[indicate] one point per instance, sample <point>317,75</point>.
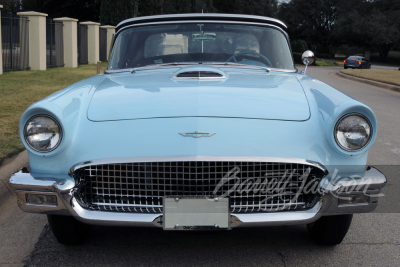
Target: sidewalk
<point>6,170</point>
<point>19,231</point>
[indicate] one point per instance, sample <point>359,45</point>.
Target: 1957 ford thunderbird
<point>200,122</point>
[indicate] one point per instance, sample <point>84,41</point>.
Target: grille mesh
<point>140,187</point>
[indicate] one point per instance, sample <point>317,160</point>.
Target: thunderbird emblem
<point>197,134</point>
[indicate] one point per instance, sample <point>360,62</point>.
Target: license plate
<point>196,213</point>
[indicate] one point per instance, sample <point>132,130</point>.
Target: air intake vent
<point>199,75</point>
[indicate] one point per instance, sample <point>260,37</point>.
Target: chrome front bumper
<point>370,184</point>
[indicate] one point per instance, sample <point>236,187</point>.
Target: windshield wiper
<point>237,65</point>
<point>106,71</point>
<point>160,65</point>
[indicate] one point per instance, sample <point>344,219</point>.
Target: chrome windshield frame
<point>294,70</point>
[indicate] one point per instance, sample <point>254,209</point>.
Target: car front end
<point>198,145</point>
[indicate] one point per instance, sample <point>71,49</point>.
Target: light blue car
<point>200,122</point>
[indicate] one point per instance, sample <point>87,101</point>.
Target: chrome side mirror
<point>307,58</point>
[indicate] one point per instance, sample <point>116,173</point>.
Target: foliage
<point>344,26</point>
<point>299,46</point>
<point>312,20</point>
<point>348,50</point>
<point>328,63</point>
<point>12,6</point>
<point>112,12</point>
<point>84,10</point>
<point>253,7</point>
<point>297,58</point>
<point>373,24</point>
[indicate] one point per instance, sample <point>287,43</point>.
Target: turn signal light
<point>354,200</point>
<point>41,200</point>
<point>359,62</point>
<point>345,61</point>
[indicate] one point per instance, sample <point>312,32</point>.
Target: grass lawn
<point>20,89</point>
<point>329,63</point>
<point>386,76</point>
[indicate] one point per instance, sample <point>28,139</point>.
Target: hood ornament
<point>197,134</point>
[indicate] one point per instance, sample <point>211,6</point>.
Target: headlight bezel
<point>348,115</point>
<point>25,133</point>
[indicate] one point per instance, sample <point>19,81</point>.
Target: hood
<point>250,94</point>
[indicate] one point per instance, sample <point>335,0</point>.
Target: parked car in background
<point>357,62</point>
<point>200,122</point>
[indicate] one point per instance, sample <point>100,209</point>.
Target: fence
<point>103,44</point>
<point>82,44</point>
<point>15,42</point>
<point>54,44</point>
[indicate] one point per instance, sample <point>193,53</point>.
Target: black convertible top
<point>201,17</point>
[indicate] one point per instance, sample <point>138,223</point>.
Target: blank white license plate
<point>196,213</point>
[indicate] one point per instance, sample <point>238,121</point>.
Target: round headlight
<point>43,133</point>
<point>353,132</point>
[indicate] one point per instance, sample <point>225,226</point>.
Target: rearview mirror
<point>204,36</point>
<point>307,58</point>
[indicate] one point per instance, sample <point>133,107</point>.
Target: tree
<point>84,10</point>
<point>312,20</point>
<point>371,24</point>
<point>252,7</point>
<point>12,6</point>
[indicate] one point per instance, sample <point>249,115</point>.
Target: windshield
<point>201,43</point>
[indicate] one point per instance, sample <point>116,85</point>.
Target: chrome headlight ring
<point>43,133</point>
<point>353,132</point>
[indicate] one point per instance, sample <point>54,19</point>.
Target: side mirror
<point>307,58</point>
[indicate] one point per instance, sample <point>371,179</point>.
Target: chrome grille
<point>140,187</point>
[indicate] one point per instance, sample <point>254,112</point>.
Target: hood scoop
<point>199,74</point>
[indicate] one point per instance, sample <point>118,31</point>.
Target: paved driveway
<point>373,239</point>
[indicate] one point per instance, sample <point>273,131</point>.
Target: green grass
<point>329,63</point>
<point>385,76</point>
<point>18,90</point>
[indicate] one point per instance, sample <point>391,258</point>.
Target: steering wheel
<point>249,52</point>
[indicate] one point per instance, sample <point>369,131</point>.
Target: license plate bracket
<point>196,213</point>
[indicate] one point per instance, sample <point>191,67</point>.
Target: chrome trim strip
<point>277,218</point>
<point>201,15</point>
<point>111,218</point>
<point>195,158</point>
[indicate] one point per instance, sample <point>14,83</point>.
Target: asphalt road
<point>373,239</point>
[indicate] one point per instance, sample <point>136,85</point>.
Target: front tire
<point>345,67</point>
<point>330,230</point>
<point>68,230</point>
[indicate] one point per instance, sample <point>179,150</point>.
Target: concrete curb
<point>371,82</point>
<point>9,169</point>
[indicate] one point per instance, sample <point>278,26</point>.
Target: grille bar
<point>251,186</point>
